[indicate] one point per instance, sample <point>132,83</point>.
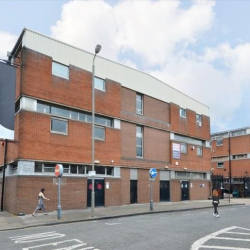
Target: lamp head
<point>98,48</point>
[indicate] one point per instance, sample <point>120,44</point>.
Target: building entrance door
<point>133,191</point>
<point>164,191</point>
<point>184,190</point>
<point>99,192</point>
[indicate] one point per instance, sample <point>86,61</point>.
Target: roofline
<point>227,131</point>
<point>26,29</point>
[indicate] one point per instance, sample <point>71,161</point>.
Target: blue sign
<point>152,172</point>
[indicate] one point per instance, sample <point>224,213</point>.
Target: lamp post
<point>97,50</point>
<point>230,170</point>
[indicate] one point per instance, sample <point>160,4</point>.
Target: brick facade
<point>36,143</point>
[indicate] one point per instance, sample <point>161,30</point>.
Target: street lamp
<point>97,50</point>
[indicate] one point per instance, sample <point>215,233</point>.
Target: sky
<point>200,47</point>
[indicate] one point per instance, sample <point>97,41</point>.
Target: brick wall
<point>189,126</point>
<point>125,186</point>
<point>21,193</point>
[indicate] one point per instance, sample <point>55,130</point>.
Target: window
<point>242,156</point>
<point>99,84</point>
<point>198,119</point>
<point>219,141</point>
<point>183,113</point>
<point>60,111</point>
<point>100,170</point>
<point>74,115</point>
<point>43,108</point>
<point>17,106</point>
<point>139,104</point>
<point>38,167</point>
<point>183,148</point>
<point>220,165</point>
<point>66,169</point>
<point>139,141</point>
<point>60,70</point>
<point>199,151</point>
<point>237,133</point>
<point>59,126</point>
<point>49,168</point>
<point>73,169</point>
<point>99,133</point>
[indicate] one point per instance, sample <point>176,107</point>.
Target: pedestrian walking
<point>41,205</point>
<point>215,203</point>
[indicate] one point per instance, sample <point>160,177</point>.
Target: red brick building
<point>230,155</point>
<point>141,123</point>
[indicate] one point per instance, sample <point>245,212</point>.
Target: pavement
<point>9,221</point>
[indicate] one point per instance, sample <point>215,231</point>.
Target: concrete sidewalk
<point>9,221</point>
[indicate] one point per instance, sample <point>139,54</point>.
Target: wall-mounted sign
<point>176,151</point>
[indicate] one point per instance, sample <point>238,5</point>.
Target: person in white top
<point>41,205</point>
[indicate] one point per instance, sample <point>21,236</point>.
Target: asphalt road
<point>187,230</point>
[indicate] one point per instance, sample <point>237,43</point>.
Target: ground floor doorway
<point>99,192</point>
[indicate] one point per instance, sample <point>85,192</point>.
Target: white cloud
<point>7,42</point>
<point>156,35</point>
<point>151,29</point>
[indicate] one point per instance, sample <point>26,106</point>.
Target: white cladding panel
<point>127,77</point>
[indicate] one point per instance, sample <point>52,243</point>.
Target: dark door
<point>184,190</point>
<point>99,193</point>
<point>133,191</point>
<point>164,191</point>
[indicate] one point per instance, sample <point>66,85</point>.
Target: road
<point>186,230</point>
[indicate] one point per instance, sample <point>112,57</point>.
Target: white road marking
<point>237,233</point>
<point>226,248</point>
<point>227,238</point>
<point>56,243</point>
<point>201,242</point>
<point>112,224</point>
<point>36,237</point>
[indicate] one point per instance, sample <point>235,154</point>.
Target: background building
<point>230,154</point>
<point>141,123</point>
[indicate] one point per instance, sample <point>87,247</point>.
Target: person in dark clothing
<point>41,205</point>
<point>215,203</point>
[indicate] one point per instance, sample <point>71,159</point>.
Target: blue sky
<point>201,48</point>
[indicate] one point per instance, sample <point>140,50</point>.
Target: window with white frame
<point>241,156</point>
<point>220,165</point>
<point>73,169</point>
<point>139,141</point>
<point>99,84</point>
<point>183,113</point>
<point>198,119</point>
<point>139,104</point>
<point>59,126</point>
<point>219,141</point>
<point>99,133</point>
<point>183,148</point>
<point>60,70</point>
<point>199,151</point>
<point>240,132</point>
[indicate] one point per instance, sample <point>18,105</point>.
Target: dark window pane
<point>110,171</point>
<point>139,141</point>
<point>100,170</point>
<point>88,168</point>
<point>82,117</point>
<point>100,120</point>
<point>59,126</point>
<point>99,133</point>
<point>74,115</point>
<point>89,118</point>
<point>66,169</point>
<point>139,151</point>
<point>109,123</point>
<point>60,111</point>
<point>81,169</point>
<point>73,169</point>
<point>38,167</point>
